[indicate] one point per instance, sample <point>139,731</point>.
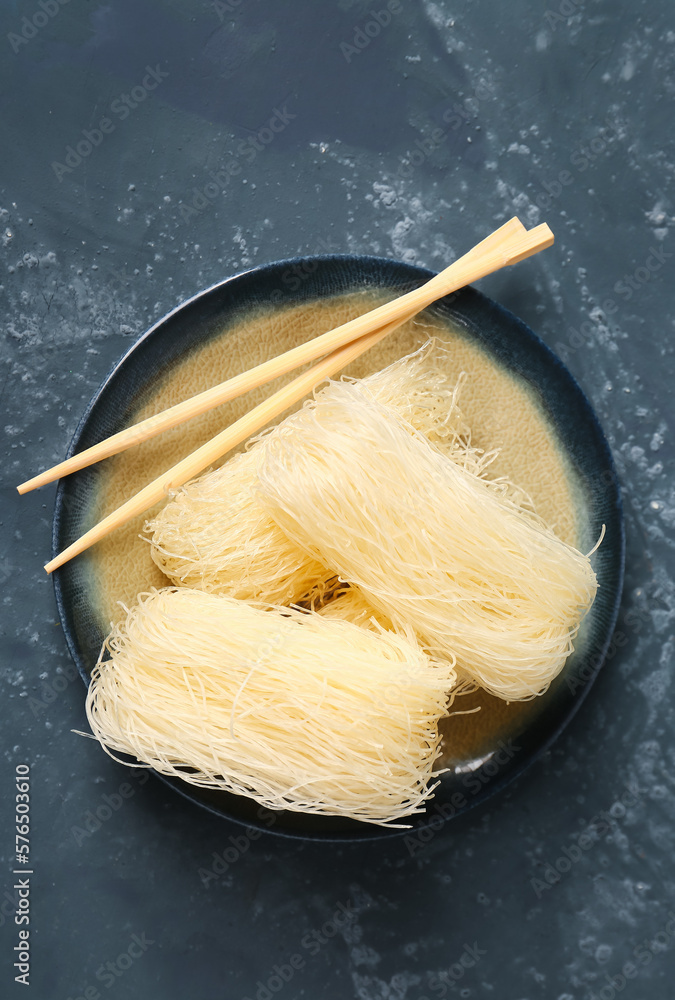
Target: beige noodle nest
<point>429,543</point>
<point>292,709</point>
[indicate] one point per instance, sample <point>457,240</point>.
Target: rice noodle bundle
<point>292,709</point>
<point>429,543</point>
<point>215,535</point>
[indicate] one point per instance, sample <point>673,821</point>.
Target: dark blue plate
<point>517,350</point>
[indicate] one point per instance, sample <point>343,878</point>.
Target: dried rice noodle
<point>428,542</point>
<point>295,710</point>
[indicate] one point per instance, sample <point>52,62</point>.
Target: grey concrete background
<point>410,141</point>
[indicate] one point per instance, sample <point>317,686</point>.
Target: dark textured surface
<point>453,117</point>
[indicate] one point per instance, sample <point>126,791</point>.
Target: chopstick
<point>403,308</point>
<point>497,251</point>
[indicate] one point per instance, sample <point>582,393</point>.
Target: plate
<point>481,756</point>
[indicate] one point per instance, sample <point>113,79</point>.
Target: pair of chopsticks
<point>507,245</point>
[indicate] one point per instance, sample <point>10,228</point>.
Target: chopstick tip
<point>31,484</point>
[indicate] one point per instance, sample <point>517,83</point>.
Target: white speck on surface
<point>627,70</point>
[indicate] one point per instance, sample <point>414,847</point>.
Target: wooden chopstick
<point>267,371</point>
<point>496,254</point>
<point>223,442</point>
